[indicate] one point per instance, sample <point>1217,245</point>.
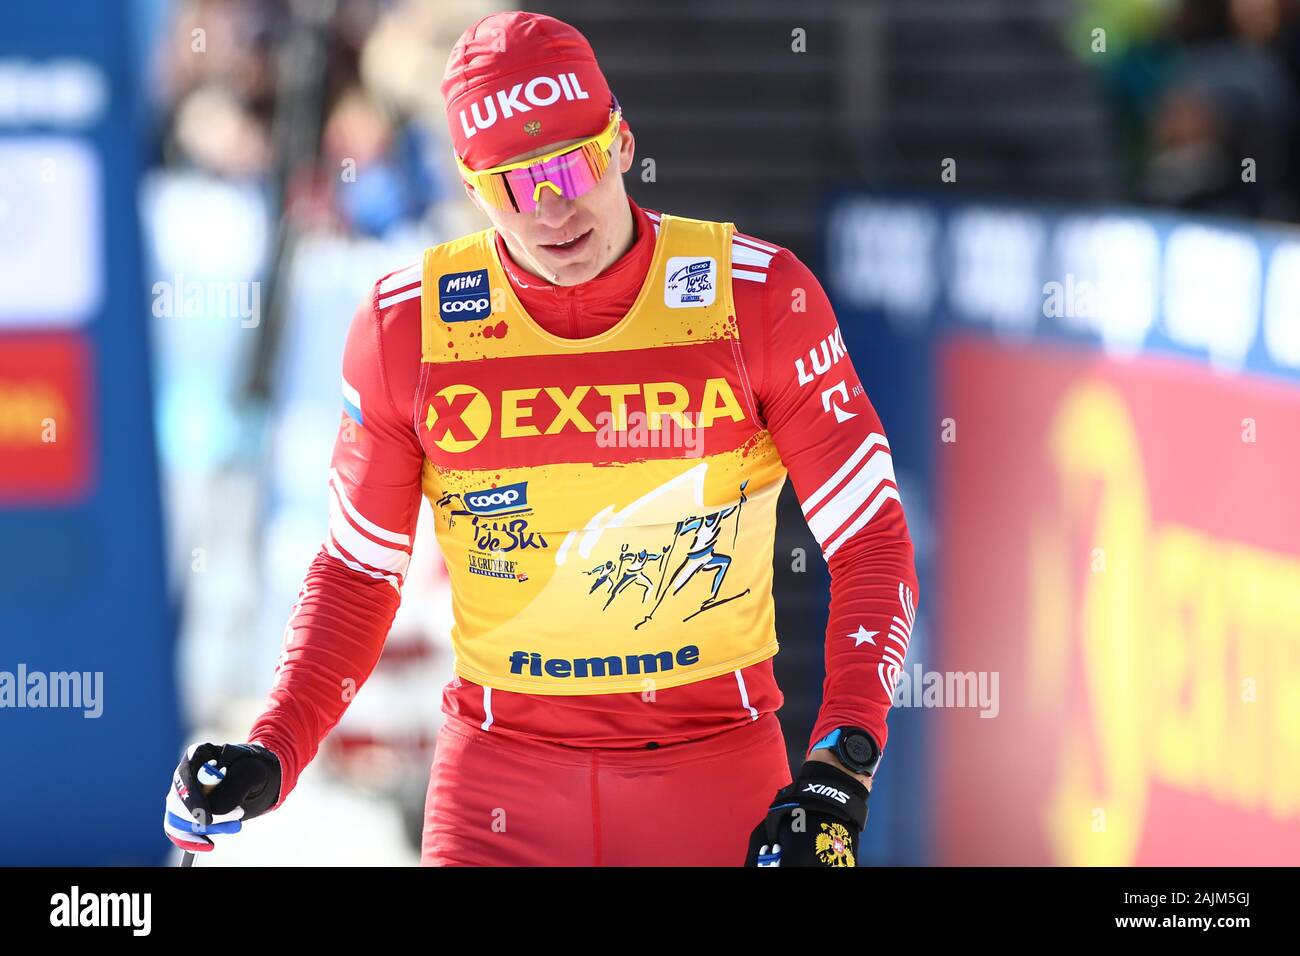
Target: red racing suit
<point>805,394</point>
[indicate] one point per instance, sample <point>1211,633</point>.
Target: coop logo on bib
<point>505,498</point>
<point>690,282</point>
<point>464,296</point>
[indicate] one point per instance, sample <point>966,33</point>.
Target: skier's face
<point>599,220</point>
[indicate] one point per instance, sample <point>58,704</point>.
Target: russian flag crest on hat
<point>516,82</point>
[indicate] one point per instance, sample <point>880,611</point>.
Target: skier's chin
<point>573,273</point>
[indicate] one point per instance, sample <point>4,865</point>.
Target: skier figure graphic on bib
<point>635,572</point>
<point>701,556</point>
<point>604,575</point>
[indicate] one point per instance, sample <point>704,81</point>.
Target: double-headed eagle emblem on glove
<point>834,846</point>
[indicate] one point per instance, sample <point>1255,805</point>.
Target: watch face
<point>859,749</point>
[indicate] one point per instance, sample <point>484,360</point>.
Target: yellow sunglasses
<point>569,172</point>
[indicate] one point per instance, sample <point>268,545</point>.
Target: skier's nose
<point>553,210</point>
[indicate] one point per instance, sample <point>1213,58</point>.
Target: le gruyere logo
<point>461,416</point>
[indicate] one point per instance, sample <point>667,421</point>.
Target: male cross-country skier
<point>504,371</point>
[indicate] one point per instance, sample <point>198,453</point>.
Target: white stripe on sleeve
<point>878,468</point>
<point>360,519</point>
<point>411,293</point>
<point>333,550</point>
<point>875,438</point>
<point>378,556</point>
<point>745,256</point>
<point>403,278</point>
<point>877,503</point>
<point>746,240</point>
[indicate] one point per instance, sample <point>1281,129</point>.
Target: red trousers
<point>501,801</point>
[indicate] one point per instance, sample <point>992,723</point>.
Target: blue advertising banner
<point>89,722</point>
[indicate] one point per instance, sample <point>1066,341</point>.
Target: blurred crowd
<point>1207,96</point>
<point>1197,88</point>
<point>299,153</point>
<point>241,96</point>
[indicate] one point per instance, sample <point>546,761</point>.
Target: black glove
<point>816,821</point>
<point>244,782</point>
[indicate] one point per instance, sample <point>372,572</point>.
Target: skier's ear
<point>626,144</point>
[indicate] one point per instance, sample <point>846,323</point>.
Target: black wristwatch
<point>855,748</point>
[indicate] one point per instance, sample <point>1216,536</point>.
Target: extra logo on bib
<point>464,296</point>
<point>690,282</point>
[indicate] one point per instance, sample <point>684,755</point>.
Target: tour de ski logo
<point>500,531</point>
<point>692,552</point>
<point>690,282</point>
<point>464,296</point>
<point>834,845</point>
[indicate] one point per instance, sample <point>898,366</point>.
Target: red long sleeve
<point>836,452</point>
<point>338,627</point>
<point>347,620</point>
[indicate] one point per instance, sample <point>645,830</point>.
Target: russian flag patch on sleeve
<point>352,402</point>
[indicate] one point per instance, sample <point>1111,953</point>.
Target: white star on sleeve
<point>863,636</point>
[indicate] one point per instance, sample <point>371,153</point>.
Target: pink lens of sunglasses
<point>569,175</point>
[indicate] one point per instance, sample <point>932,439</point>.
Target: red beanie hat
<point>516,81</point>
